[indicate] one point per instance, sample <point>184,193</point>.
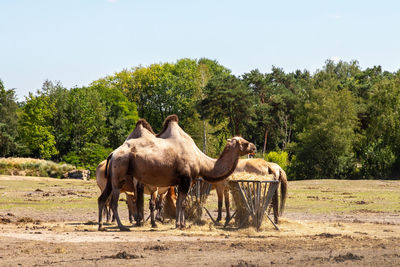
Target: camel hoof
<point>101,228</point>
<point>181,226</point>
<point>154,225</point>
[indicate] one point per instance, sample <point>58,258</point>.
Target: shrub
<point>33,167</point>
<point>280,157</point>
<point>88,157</point>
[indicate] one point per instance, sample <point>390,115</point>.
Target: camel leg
<point>159,206</point>
<point>275,207</point>
<point>152,205</point>
<point>227,204</point>
<point>183,189</point>
<point>107,210</point>
<point>220,195</point>
<point>131,206</point>
<point>139,215</point>
<point>101,201</point>
<point>114,207</point>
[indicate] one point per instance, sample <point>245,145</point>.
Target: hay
<point>195,201</point>
<point>250,176</point>
<point>242,218</point>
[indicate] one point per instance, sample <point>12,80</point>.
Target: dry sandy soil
<point>62,237</point>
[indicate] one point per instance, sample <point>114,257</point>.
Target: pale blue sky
<point>77,42</point>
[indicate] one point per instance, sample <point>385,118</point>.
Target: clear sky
<point>76,42</point>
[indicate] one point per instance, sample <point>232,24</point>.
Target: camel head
<point>244,146</point>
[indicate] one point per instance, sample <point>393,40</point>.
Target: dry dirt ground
<point>67,237</point>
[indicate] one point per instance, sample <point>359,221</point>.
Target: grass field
<point>308,196</point>
<point>47,221</point>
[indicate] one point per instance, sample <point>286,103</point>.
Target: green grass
<point>49,195</point>
<point>344,196</point>
<point>313,196</point>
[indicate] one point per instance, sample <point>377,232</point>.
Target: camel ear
<point>229,140</point>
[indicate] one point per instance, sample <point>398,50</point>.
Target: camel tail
<point>284,186</point>
<point>108,159</point>
<point>106,192</point>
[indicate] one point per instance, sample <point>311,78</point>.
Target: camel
<point>135,208</point>
<point>128,188</point>
<point>170,159</point>
<point>260,167</point>
<point>134,190</point>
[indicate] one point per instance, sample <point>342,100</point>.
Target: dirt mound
<point>123,255</point>
<point>347,257</point>
<point>156,248</point>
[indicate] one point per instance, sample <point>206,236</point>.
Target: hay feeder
<point>252,198</point>
<point>197,196</point>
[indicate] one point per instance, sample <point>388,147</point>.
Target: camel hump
<point>167,120</point>
<point>170,118</point>
<point>145,125</point>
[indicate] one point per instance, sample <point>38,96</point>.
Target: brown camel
<point>170,159</point>
<point>130,189</point>
<point>133,189</point>
<point>260,167</point>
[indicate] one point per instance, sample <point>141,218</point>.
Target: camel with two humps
<point>130,188</point>
<point>260,167</point>
<point>171,159</point>
<point>135,190</point>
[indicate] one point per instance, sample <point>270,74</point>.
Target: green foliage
<point>376,161</point>
<point>35,127</point>
<point>325,144</point>
<point>160,89</point>
<point>121,115</point>
<point>381,142</point>
<point>227,98</point>
<point>279,157</point>
<point>33,167</point>
<point>8,121</point>
<point>340,122</point>
<point>88,157</point>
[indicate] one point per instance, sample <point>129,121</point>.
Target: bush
<point>88,157</point>
<point>281,158</point>
<point>33,167</point>
<point>377,160</point>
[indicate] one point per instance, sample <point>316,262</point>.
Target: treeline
<point>340,122</point>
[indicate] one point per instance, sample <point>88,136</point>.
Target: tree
<point>381,139</point>
<point>86,118</point>
<point>326,141</point>
<point>160,89</point>
<point>120,115</point>
<point>227,99</point>
<point>8,121</point>
<point>35,126</point>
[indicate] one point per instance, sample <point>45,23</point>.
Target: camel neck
<point>214,170</point>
